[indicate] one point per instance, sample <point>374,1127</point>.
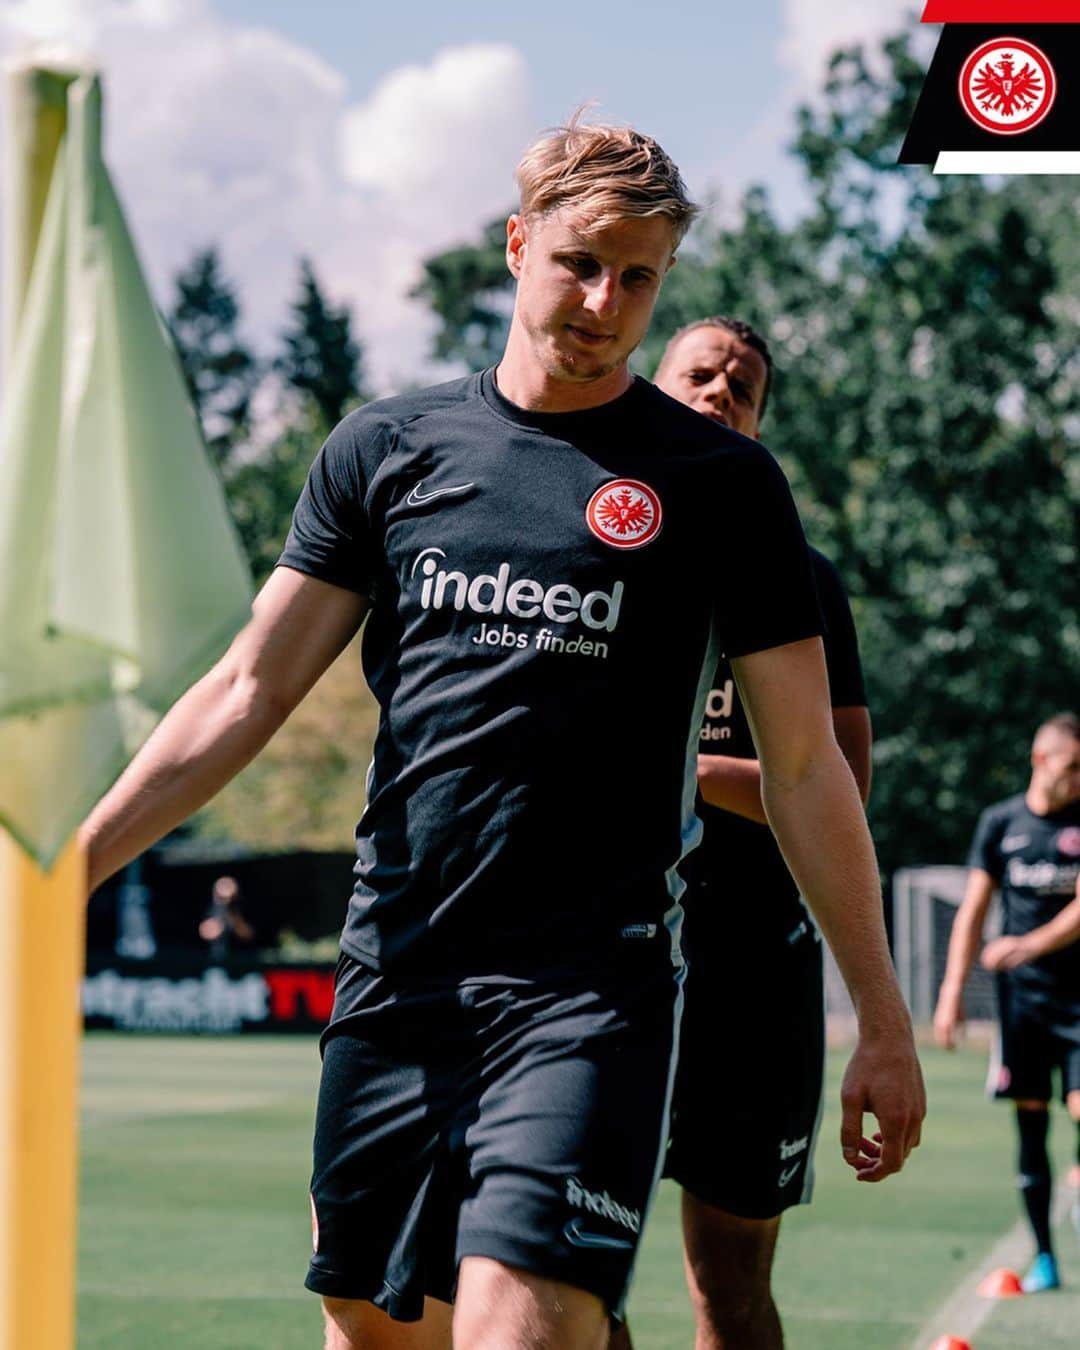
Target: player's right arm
<point>963,948</point>
<point>299,625</point>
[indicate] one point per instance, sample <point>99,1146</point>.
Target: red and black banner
<point>1005,78</point>
<point>179,994</point>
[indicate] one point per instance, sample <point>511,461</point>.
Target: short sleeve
<point>330,537</point>
<point>768,597</point>
<point>985,851</point>
<point>846,686</point>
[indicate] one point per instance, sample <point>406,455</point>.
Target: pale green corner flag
<point>121,576</point>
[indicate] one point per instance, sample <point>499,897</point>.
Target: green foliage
<point>321,359</point>
<point>306,789</point>
<point>922,415</point>
<point>468,289</point>
<point>263,490</point>
<point>925,336</point>
<point>220,370</point>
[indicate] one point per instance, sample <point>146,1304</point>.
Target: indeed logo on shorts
<point>523,598</point>
<point>594,1202</point>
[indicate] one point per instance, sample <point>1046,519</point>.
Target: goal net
<point>925,900</point>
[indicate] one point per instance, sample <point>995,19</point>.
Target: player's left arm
<point>1006,953</point>
<point>813,805</point>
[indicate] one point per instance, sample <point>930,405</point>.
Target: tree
<point>263,491</point>
<point>306,789</point>
<point>321,359</point>
<point>469,289</point>
<point>220,369</point>
<point>942,383</point>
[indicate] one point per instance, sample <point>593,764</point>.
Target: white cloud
<point>433,151</point>
<point>814,29</point>
<point>223,134</point>
<point>811,31</point>
<point>420,128</point>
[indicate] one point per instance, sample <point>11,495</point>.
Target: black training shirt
<point>1035,861</point>
<point>547,591</point>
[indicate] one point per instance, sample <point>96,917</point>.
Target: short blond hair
<point>1063,726</point>
<point>604,172</point>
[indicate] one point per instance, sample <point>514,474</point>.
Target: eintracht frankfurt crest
<point>1007,86</point>
<point>1068,841</point>
<point>624,514</point>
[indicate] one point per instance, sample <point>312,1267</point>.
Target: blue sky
<point>367,138</point>
<point>696,80</point>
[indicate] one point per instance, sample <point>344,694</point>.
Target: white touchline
<point>965,1310</point>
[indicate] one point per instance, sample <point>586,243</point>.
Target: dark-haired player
<point>537,552</point>
<point>1028,848</point>
<point>754,1020</point>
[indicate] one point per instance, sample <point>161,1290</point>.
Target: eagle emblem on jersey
<point>625,513</point>
<point>1068,841</point>
<point>1007,86</point>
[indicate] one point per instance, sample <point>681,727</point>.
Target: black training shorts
<point>748,1092</point>
<point>1037,1034</point>
<point>517,1119</point>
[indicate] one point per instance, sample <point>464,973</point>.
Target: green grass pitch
<point>194,1216</point>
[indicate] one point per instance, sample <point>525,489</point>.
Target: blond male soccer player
<point>537,552</point>
<point>1028,848</point>
<point>748,1092</point>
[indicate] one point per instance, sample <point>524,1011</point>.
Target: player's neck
<point>1038,801</point>
<point>523,380</point>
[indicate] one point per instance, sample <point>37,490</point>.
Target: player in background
<point>748,1091</point>
<point>1028,848</point>
<point>535,549</point>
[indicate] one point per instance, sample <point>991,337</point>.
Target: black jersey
<point>739,858</point>
<point>549,596</point>
<point>1035,861</point>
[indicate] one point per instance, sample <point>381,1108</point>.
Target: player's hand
<point>884,1078</point>
<point>948,1018</point>
<point>1005,953</point>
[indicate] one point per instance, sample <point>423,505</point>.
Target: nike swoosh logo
<point>788,1174</point>
<point>418,498</point>
<point>1015,841</point>
<point>578,1237</point>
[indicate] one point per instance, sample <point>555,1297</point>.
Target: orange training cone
<point>950,1343</point>
<point>1001,1284</point>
